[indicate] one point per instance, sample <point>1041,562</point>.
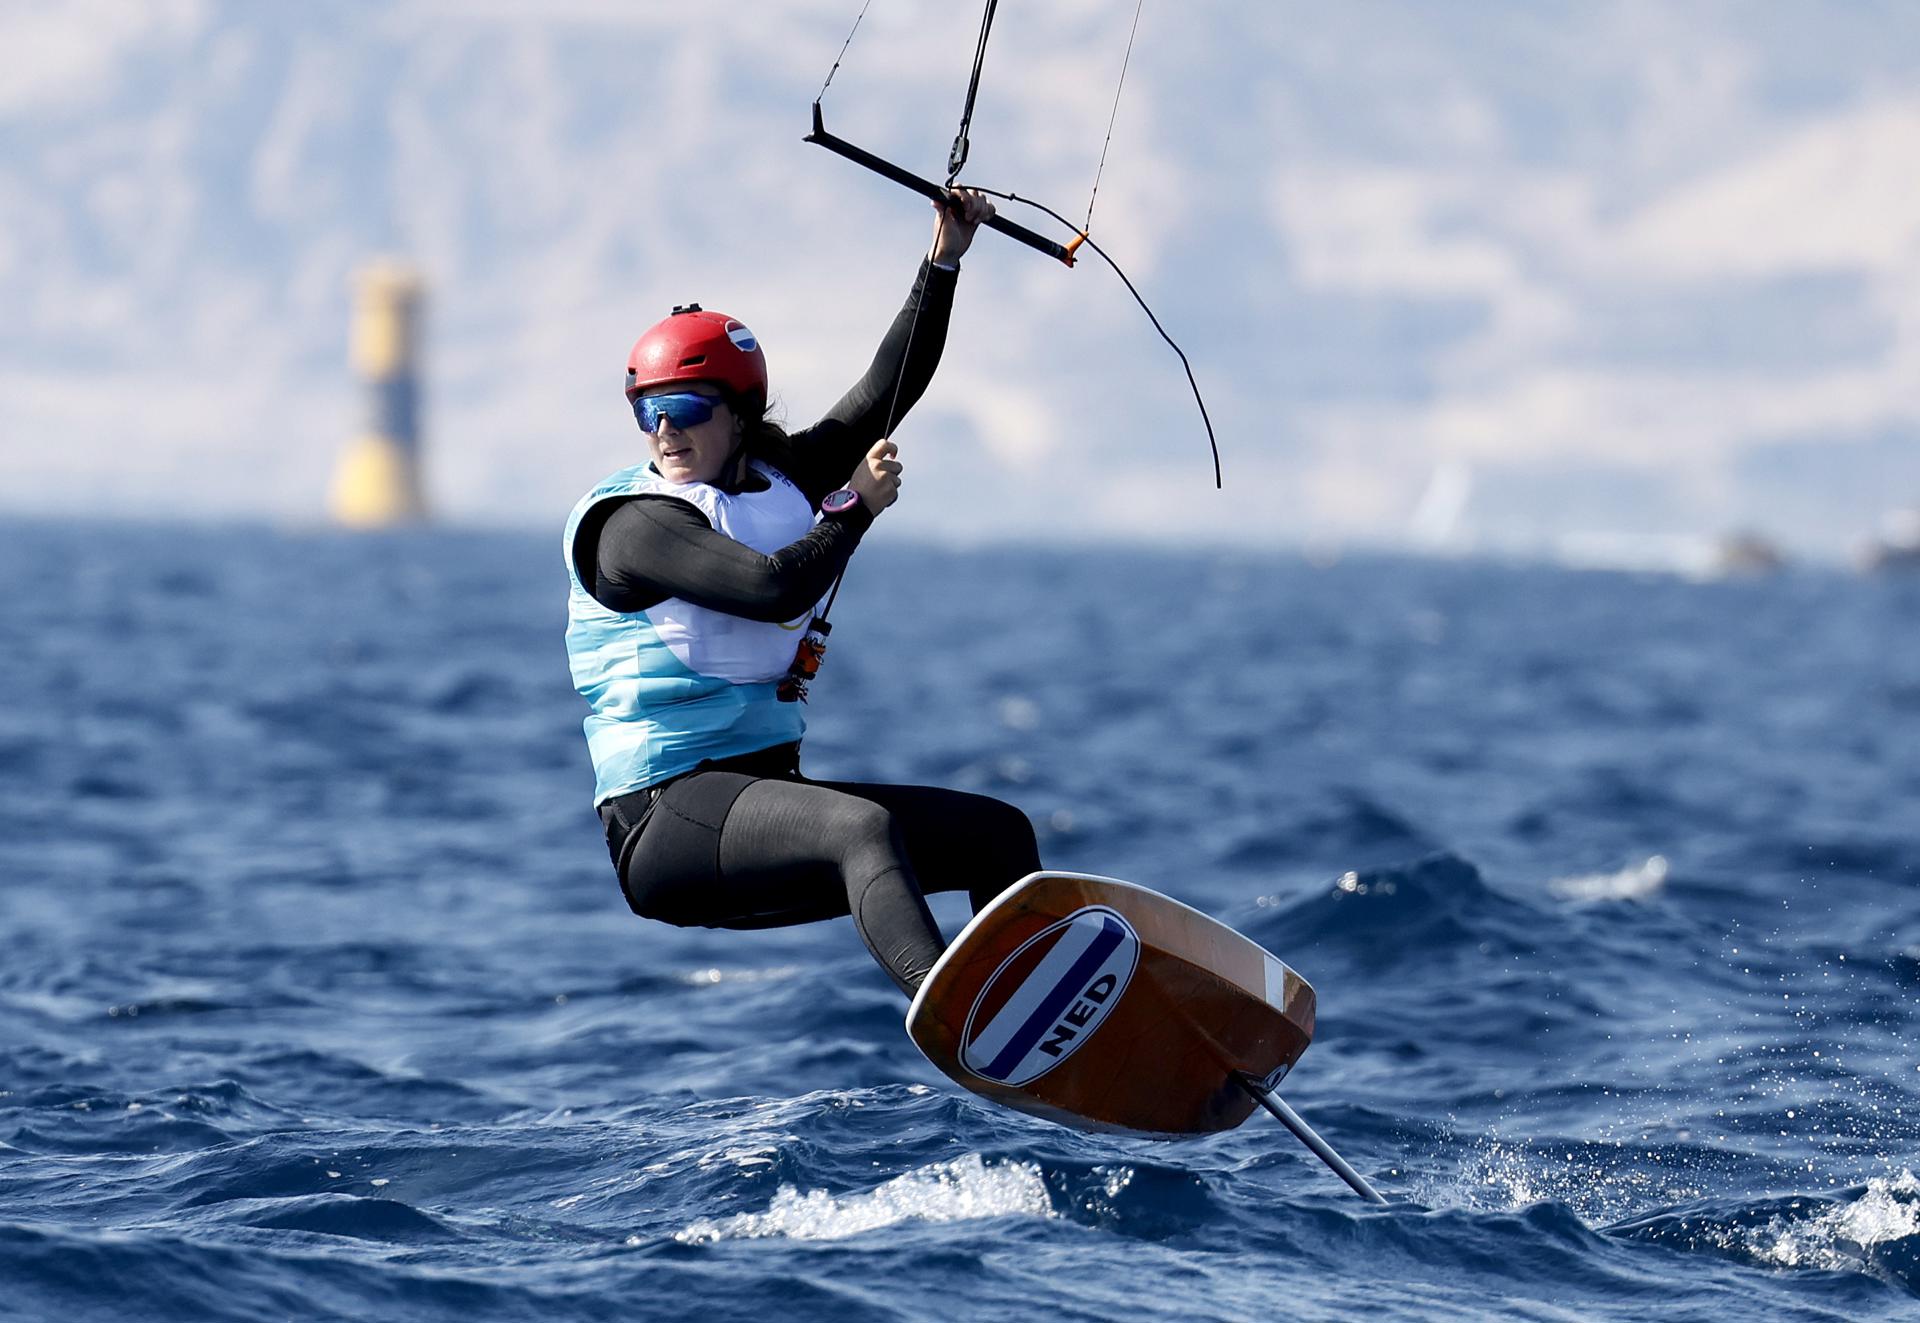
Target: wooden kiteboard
<point>1106,1006</point>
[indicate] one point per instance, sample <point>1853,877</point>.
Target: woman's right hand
<point>878,477</point>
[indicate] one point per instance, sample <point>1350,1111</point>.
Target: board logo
<point>1048,997</point>
<point>742,338</point>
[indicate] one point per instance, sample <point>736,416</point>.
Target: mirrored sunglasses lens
<point>682,410</point>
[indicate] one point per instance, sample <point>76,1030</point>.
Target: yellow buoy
<point>377,483</point>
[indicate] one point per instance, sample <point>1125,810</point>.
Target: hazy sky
<point>1562,270</point>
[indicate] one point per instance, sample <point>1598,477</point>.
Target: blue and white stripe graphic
<point>1088,945</point>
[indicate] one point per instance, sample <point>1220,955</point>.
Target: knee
<point>1011,831</point>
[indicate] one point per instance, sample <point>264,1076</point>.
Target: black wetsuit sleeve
<point>651,548</point>
<point>826,454</point>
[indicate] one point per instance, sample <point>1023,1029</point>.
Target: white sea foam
<point>1642,879</point>
<point>1838,1237</point>
<point>953,1191</point>
<point>1601,1184</point>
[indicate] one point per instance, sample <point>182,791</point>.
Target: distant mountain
<point>1636,268</point>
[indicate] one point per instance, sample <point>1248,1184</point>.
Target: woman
<point>694,578</point>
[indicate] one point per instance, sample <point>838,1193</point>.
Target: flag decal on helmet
<point>742,338</point>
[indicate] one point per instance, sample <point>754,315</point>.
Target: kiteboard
<point>1106,1006</point>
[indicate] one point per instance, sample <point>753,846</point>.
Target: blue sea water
<point>318,1001</point>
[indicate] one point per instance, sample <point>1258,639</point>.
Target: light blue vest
<point>677,684</point>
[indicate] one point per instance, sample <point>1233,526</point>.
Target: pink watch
<point>840,502</point>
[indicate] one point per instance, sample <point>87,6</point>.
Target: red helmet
<point>696,345</point>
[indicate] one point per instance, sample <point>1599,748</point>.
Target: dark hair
<point>764,437</point>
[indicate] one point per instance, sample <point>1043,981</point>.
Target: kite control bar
<point>927,188</point>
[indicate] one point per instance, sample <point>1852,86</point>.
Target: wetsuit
<point>746,841</point>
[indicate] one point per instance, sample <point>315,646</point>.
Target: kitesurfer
<point>694,576</point>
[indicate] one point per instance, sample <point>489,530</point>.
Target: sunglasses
<point>682,410</point>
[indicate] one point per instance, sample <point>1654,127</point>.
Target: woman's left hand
<point>964,211</point>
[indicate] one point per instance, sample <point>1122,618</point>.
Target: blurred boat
<point>1747,554</point>
<point>1898,546</point>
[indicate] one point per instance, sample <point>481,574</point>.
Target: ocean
<point>318,999</point>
